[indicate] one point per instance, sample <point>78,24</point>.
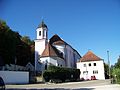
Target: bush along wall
<point>61,74</point>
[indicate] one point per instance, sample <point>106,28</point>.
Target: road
<point>85,85</point>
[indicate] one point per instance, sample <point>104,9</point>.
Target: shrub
<point>59,73</point>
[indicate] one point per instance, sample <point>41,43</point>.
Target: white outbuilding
<point>91,67</point>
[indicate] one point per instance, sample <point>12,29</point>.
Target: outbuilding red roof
<point>90,56</point>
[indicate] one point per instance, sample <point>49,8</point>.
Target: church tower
<point>40,43</point>
<point>42,31</point>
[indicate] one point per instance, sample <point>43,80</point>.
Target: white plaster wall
<point>15,77</point>
<point>99,66</point>
<point>60,62</point>
<point>43,62</point>
<point>48,60</point>
<point>39,48</point>
<point>54,61</point>
<point>70,56</point>
<point>43,31</point>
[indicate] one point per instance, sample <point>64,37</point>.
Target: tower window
<point>39,33</point>
<point>44,33</point>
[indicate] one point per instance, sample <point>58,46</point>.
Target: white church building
<point>53,51</point>
<point>91,67</point>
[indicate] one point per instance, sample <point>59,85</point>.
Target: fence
<point>15,77</point>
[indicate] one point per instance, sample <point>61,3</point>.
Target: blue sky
<point>84,24</point>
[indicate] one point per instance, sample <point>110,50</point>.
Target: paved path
<point>86,85</point>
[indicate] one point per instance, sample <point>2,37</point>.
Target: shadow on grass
<point>56,89</point>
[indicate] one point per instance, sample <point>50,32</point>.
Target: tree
<point>8,42</point>
<point>31,44</point>
<point>116,71</point>
<point>106,67</point>
<point>27,40</point>
<point>117,65</point>
<point>15,47</point>
<point>23,54</point>
<point>116,74</point>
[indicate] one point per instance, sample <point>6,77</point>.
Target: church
<point>54,51</point>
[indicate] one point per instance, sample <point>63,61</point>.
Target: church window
<point>45,66</point>
<point>39,33</point>
<point>61,65</point>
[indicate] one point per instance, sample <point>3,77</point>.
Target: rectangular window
<point>94,64</point>
<point>39,33</point>
<point>89,64</point>
<point>85,72</point>
<point>95,71</point>
<point>84,65</point>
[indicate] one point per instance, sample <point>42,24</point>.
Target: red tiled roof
<point>90,56</point>
<point>51,51</point>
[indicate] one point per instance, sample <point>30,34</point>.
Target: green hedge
<point>63,74</point>
<point>116,75</point>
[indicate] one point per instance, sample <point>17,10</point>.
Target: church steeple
<point>42,25</point>
<point>40,42</point>
<point>42,31</point>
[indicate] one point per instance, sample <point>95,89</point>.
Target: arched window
<point>39,33</point>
